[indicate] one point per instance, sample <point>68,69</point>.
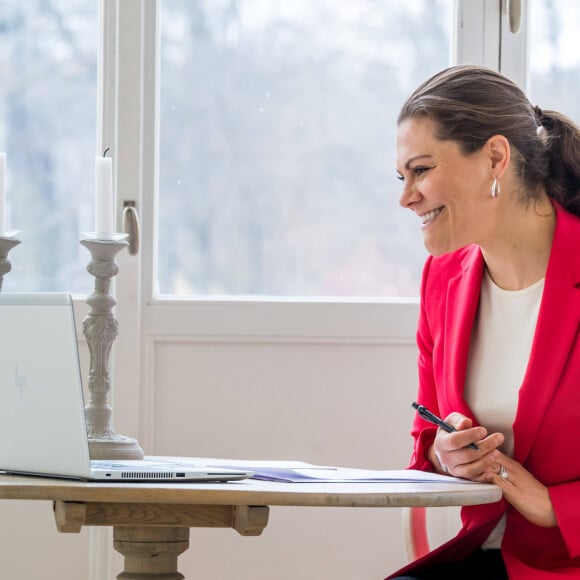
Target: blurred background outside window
<point>553,55</point>
<point>48,75</point>
<point>277,152</point>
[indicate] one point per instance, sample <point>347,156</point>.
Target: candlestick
<point>100,329</point>
<point>7,242</point>
<point>104,198</point>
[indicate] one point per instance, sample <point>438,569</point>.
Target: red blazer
<point>547,422</point>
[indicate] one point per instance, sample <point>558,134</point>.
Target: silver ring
<point>443,466</point>
<point>503,472</point>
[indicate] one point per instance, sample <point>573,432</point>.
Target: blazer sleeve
<point>422,431</point>
<point>566,503</point>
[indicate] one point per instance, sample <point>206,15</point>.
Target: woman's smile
<point>429,216</point>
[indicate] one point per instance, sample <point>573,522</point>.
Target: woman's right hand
<point>451,455</point>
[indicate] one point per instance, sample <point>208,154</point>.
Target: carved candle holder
<point>100,328</point>
<point>7,242</point>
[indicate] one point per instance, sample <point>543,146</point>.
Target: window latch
<point>131,226</point>
<point>514,10</point>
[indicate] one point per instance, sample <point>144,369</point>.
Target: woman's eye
<point>420,170</point>
<point>416,171</point>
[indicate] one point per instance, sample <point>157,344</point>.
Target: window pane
<point>554,59</point>
<point>48,53</point>
<point>277,163</point>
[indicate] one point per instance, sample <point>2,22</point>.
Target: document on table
<point>300,472</point>
<point>312,473</point>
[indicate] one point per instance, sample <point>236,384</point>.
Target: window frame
<point>129,115</point>
<point>477,39</point>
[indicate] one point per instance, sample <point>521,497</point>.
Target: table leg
<point>150,552</point>
<point>151,536</point>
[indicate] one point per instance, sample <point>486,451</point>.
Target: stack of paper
<point>300,472</point>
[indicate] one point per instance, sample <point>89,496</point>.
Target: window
<point>277,145</point>
<point>47,129</point>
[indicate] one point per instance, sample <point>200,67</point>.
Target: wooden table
<point>151,521</point>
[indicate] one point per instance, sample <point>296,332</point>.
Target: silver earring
<point>495,188</point>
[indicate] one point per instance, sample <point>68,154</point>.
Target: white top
<point>499,352</point>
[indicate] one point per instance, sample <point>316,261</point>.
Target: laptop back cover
<point>42,425</point>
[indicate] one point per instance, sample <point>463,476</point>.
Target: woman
<point>495,183</point>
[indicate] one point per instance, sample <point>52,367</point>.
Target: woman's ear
<point>499,151</point>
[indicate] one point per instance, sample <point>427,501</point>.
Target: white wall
<point>322,403</point>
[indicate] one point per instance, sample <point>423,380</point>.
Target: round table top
<point>253,492</point>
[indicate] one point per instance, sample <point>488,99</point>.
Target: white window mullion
<point>478,32</point>
<point>150,186</point>
<point>150,152</point>
<point>126,77</point>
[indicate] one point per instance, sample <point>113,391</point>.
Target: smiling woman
<point>495,182</point>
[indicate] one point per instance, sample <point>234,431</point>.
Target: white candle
<point>2,193</point>
<point>104,214</point>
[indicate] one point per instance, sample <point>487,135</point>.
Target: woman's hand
<point>451,455</point>
<point>521,489</point>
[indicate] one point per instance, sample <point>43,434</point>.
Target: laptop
<point>42,418</point>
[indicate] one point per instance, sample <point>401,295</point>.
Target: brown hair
<point>469,104</point>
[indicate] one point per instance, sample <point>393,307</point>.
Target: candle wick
<point>106,151</point>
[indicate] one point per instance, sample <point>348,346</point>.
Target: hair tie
<point>539,114</point>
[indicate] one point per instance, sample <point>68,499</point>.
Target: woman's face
<point>448,190</point>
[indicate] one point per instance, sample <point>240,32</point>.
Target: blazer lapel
<point>555,335</point>
<point>460,310</point>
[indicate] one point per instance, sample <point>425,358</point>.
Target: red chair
<point>415,532</point>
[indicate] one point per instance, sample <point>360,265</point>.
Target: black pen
<point>432,418</point>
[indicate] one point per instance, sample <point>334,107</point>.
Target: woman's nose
<point>409,196</point>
